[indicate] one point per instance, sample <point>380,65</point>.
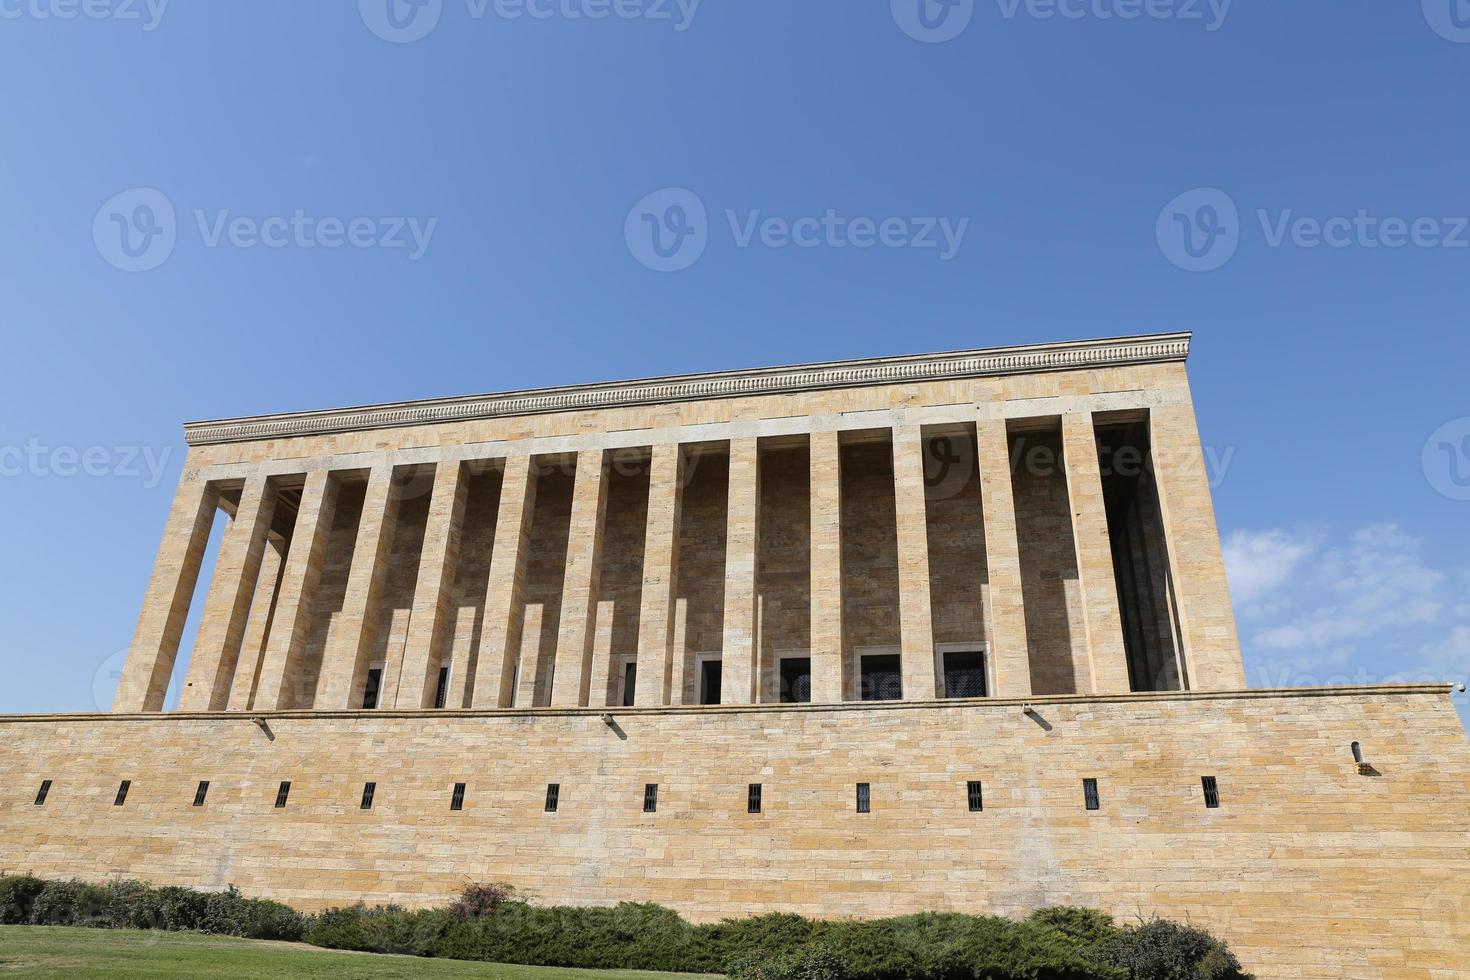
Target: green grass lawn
<point>55,951</point>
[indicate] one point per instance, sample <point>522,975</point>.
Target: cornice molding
<point>956,365</point>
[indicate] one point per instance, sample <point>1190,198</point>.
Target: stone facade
<point>909,572</point>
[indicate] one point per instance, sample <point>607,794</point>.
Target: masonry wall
<point>1308,868</point>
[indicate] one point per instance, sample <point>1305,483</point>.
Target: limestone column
<point>660,565</point>
<point>572,679</point>
<point>1211,654</point>
<point>1108,658</point>
<point>1005,619</point>
<point>232,586</point>
<point>916,624</point>
<point>280,668</point>
<point>500,640</point>
<point>155,645</point>
<point>828,670</point>
<point>351,638</point>
<point>739,684</point>
<point>258,626</point>
<point>432,614</point>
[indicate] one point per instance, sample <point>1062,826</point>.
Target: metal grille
<point>964,675</point>
<point>45,790</point>
<point>1089,793</point>
<point>456,802</point>
<point>122,792</point>
<point>650,798</point>
<point>201,792</point>
<point>441,693</point>
<point>864,798</point>
<point>282,794</point>
<point>553,797</point>
<point>369,790</point>
<point>976,796</point>
<point>1212,792</point>
<point>753,799</point>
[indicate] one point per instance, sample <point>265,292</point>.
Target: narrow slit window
<point>282,795</point>
<point>44,792</point>
<point>122,792</point>
<point>650,798</point>
<point>864,798</point>
<point>553,797</point>
<point>369,790</point>
<point>630,683</point>
<point>976,795</point>
<point>1212,792</point>
<point>456,802</point>
<point>201,793</point>
<point>441,692</point>
<point>373,688</point>
<point>1089,794</point>
<point>753,798</point>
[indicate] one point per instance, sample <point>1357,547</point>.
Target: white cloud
<point>1260,561</point>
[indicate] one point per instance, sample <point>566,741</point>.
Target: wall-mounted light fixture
<point>1363,767</point>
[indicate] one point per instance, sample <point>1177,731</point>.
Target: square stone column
<point>505,605</point>
<point>280,669</point>
<point>231,588</point>
<point>916,625</point>
<point>431,616</point>
<point>155,646</point>
<point>571,683</point>
<point>1211,654</point>
<point>1005,617</point>
<point>1108,658</point>
<point>828,670</point>
<point>349,642</point>
<point>739,684</point>
<point>660,576</point>
<point>258,626</point>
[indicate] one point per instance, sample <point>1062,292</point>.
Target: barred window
<point>45,791</point>
<point>1212,792</point>
<point>369,790</point>
<point>864,798</point>
<point>1089,794</point>
<point>282,795</point>
<point>976,796</point>
<point>201,792</point>
<point>553,797</point>
<point>456,802</point>
<point>753,798</point>
<point>122,792</point>
<point>650,798</point>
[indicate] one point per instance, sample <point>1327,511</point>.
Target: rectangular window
<point>45,791</point>
<point>630,682</point>
<point>553,797</point>
<point>456,802</point>
<point>122,792</point>
<point>650,798</point>
<point>1212,792</point>
<point>710,672</point>
<point>441,692</point>
<point>882,679</point>
<point>373,688</point>
<point>796,680</point>
<point>369,790</point>
<point>201,792</point>
<point>964,675</point>
<point>977,796</point>
<point>1089,793</point>
<point>282,795</point>
<point>753,799</point>
<point>864,798</point>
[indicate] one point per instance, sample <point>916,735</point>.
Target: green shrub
<point>814,962</point>
<point>1163,950</point>
<point>18,897</point>
<point>381,929</point>
<point>1087,929</point>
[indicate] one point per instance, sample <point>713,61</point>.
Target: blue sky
<point>323,210</point>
